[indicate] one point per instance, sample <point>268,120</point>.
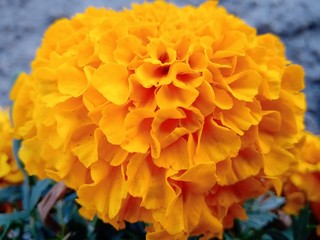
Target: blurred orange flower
<point>304,178</point>
<point>171,116</point>
<point>9,171</point>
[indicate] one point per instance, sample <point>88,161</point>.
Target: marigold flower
<point>9,171</point>
<point>172,116</point>
<point>304,178</point>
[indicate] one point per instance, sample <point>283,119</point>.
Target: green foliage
<point>265,222</point>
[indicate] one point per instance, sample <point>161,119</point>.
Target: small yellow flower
<point>9,171</point>
<point>171,116</point>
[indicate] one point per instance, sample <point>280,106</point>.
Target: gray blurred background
<point>297,22</point>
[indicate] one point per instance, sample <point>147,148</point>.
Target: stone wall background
<point>297,22</point>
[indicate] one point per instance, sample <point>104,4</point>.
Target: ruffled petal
<point>107,191</point>
<point>111,80</point>
<point>148,182</point>
<point>214,143</point>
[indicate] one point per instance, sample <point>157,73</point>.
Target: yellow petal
<point>92,98</point>
<point>245,85</point>
<point>160,53</point>
<point>4,166</point>
<point>137,127</point>
<point>170,96</point>
<point>175,156</point>
<point>292,78</point>
<point>225,173</point>
<point>197,59</point>
<point>109,152</point>
<point>148,182</point>
<point>112,121</point>
<point>149,75</point>
<point>71,81</point>
<point>233,44</point>
<point>127,48</point>
<point>84,146</point>
<point>277,161</point>
<point>142,97</point>
<point>111,80</point>
<point>107,191</point>
<point>181,73</point>
<point>240,118</point>
<point>199,178</point>
<point>205,101</point>
<point>166,126</point>
<point>309,184</point>
<point>249,162</point>
<point>222,99</point>
<point>214,145</point>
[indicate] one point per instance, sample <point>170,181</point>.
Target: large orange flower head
<point>172,116</point>
<point>9,171</point>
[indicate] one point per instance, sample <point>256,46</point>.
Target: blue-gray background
<point>297,22</point>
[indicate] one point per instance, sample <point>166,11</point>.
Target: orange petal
<point>84,145</point>
<point>111,80</point>
<point>240,118</point>
<point>109,152</point>
<point>160,53</point>
<point>277,161</point>
<point>175,156</point>
<point>199,178</point>
<point>166,126</point>
<point>112,121</point>
<point>148,182</point>
<point>248,163</point>
<point>214,144</point>
<point>127,48</point>
<point>233,44</point>
<point>137,127</point>
<point>170,96</point>
<point>94,195</point>
<point>205,102</point>
<point>292,78</point>
<point>71,81</point>
<point>244,85</point>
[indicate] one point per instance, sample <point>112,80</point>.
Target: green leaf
<point>12,217</point>
<point>275,234</point>
<point>37,192</point>
<point>4,230</point>
<point>226,236</point>
<point>10,194</point>
<point>258,220</point>
<point>300,224</point>
<point>268,202</point>
<point>26,184</point>
<point>266,237</point>
<point>16,146</point>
